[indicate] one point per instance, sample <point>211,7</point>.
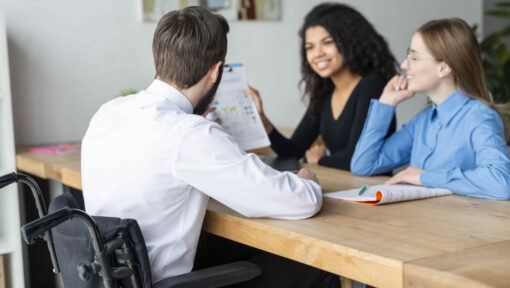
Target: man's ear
<point>214,72</point>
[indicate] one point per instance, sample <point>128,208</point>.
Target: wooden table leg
<point>346,282</point>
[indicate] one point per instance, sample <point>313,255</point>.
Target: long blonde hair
<point>453,41</point>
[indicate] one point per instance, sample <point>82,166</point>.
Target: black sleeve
<point>303,137</point>
<point>371,88</point>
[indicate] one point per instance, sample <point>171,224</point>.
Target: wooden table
<point>449,241</point>
<point>62,168</point>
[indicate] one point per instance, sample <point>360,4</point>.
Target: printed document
<point>236,111</point>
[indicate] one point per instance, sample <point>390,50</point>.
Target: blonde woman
<point>458,143</point>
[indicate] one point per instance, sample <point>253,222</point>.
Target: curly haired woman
<point>344,64</point>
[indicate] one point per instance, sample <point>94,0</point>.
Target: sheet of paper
<point>236,111</point>
<point>352,195</point>
<point>380,194</point>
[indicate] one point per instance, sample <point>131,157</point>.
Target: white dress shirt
<point>146,157</point>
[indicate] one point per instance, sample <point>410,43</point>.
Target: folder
<point>60,149</point>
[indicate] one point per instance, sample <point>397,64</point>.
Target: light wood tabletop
<point>484,266</point>
<point>449,241</point>
<point>62,168</point>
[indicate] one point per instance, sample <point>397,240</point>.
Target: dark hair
<point>363,49</point>
<point>187,43</point>
<point>453,41</point>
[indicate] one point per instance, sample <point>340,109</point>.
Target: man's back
<point>147,157</point>
<point>127,156</point>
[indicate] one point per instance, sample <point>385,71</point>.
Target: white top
<point>146,157</point>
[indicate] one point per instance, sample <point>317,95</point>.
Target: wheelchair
<point>92,251</point>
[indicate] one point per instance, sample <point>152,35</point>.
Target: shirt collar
<point>450,106</point>
<point>166,90</point>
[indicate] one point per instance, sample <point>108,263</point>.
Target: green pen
<point>362,190</point>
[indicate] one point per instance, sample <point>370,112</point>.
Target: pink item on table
<point>61,149</point>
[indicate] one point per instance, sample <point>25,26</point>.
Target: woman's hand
<point>209,110</point>
<point>211,117</point>
<point>396,91</point>
<point>315,153</point>
<point>255,95</point>
<point>258,103</point>
<point>411,175</point>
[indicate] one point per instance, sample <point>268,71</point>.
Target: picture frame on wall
<point>232,10</point>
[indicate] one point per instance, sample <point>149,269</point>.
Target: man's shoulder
<point>190,125</point>
<point>199,123</point>
<point>200,129</point>
<point>144,112</point>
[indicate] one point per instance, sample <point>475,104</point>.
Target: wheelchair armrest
<point>37,228</point>
<point>217,276</point>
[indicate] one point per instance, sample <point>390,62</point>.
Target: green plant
<point>127,92</point>
<point>496,58</point>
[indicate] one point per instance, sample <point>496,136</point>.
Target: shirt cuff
<point>435,179</point>
<point>380,115</point>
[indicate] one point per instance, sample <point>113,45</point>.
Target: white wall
<point>68,57</point>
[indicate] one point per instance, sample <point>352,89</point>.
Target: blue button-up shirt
<point>460,144</point>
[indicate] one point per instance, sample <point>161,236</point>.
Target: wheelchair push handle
<point>36,229</point>
<point>8,179</point>
<point>39,203</point>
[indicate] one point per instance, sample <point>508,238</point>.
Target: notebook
<point>382,194</point>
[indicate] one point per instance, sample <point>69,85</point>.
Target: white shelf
<point>5,248</point>
<point>10,236</point>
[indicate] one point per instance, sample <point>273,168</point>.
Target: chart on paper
<point>236,111</point>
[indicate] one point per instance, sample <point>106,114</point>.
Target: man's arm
<point>210,160</point>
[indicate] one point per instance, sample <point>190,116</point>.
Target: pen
<point>362,190</point>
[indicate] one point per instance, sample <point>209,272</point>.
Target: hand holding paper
<point>236,111</point>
